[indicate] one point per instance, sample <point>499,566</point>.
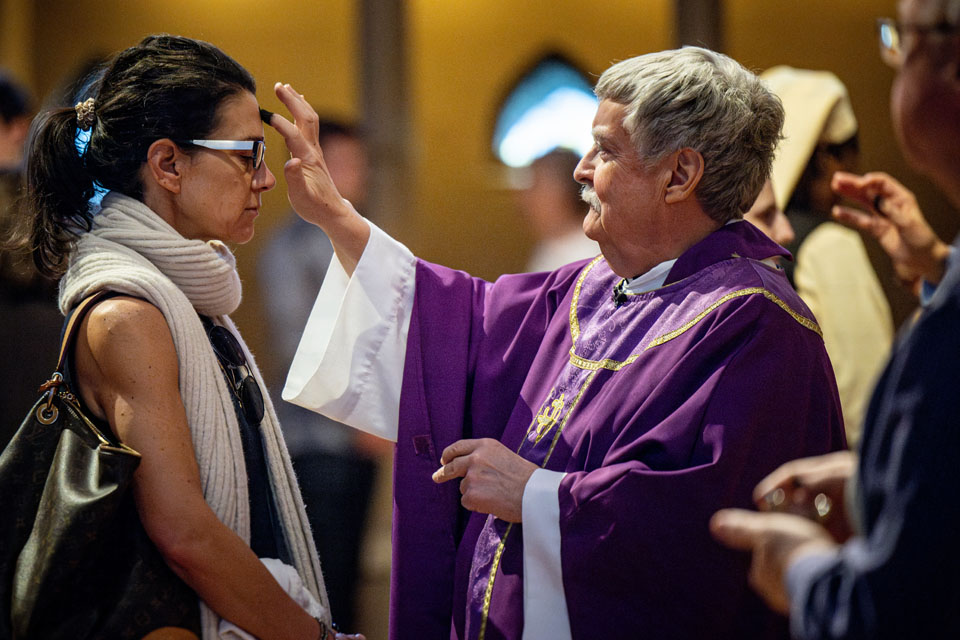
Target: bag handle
<point>49,388</point>
<point>73,325</point>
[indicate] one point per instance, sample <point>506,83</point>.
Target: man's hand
<point>493,476</point>
<point>812,487</point>
<point>894,218</point>
<point>776,540</point>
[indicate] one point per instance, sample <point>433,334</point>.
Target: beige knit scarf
<point>131,250</point>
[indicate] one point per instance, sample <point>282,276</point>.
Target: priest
<point>563,437</point>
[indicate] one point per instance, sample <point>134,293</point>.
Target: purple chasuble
<point>661,410</point>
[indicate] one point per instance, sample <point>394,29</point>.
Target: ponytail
<point>58,189</point>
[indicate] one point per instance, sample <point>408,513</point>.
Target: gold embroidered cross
<point>547,419</point>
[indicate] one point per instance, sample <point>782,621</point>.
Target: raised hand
<point>310,188</point>
<point>892,216</point>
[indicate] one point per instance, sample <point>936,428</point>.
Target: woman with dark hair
<point>176,140</point>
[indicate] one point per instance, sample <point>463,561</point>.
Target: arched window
<point>550,106</point>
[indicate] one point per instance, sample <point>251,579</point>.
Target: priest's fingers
<point>456,468</point>
<point>455,461</point>
<point>306,123</point>
<point>459,448</point>
<point>296,143</point>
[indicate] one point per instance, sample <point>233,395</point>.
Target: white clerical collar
<point>650,280</point>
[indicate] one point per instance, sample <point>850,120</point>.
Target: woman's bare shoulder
<point>127,340</point>
<point>122,321</point>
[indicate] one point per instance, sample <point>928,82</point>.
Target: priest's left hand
<point>777,540</point>
<point>494,477</point>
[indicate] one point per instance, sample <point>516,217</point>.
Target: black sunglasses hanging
<point>232,360</point>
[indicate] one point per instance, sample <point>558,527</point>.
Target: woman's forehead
<point>238,117</point>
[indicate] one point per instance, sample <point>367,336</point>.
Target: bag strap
<point>73,324</point>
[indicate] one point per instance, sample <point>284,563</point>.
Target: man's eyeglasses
<point>891,43</point>
<point>256,147</point>
<point>232,359</point>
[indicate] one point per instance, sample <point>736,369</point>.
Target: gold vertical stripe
<point>534,421</point>
<point>574,322</point>
<point>488,594</point>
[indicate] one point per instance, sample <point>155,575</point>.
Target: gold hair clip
<point>85,116</point>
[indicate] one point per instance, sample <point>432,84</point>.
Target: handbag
<point>75,561</point>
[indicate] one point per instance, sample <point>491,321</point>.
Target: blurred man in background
<point>554,212</point>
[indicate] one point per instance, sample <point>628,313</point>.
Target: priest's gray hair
<point>697,98</point>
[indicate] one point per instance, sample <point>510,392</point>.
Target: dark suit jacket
<point>901,577</point>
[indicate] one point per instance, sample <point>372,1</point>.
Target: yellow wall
<point>16,45</point>
<point>464,56</point>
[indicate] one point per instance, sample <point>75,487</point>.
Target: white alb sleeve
<point>349,364</point>
<point>544,603</point>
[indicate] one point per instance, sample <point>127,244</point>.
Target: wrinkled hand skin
<point>891,215</point>
<point>492,476</point>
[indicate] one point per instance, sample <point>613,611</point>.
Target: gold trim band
<point>616,365</point>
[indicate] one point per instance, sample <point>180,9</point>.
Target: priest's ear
<point>686,173</point>
<point>162,167</point>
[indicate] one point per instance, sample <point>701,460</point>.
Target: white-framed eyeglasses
<point>257,148</point>
<point>890,32</point>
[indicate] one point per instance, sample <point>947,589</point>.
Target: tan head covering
<point>817,109</point>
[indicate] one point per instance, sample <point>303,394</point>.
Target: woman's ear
<point>686,174</point>
<point>162,157</point>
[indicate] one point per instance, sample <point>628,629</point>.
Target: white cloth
<point>349,365</point>
<point>650,280</point>
<point>288,578</point>
<point>836,280</point>
<point>543,597</point>
<point>131,250</point>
